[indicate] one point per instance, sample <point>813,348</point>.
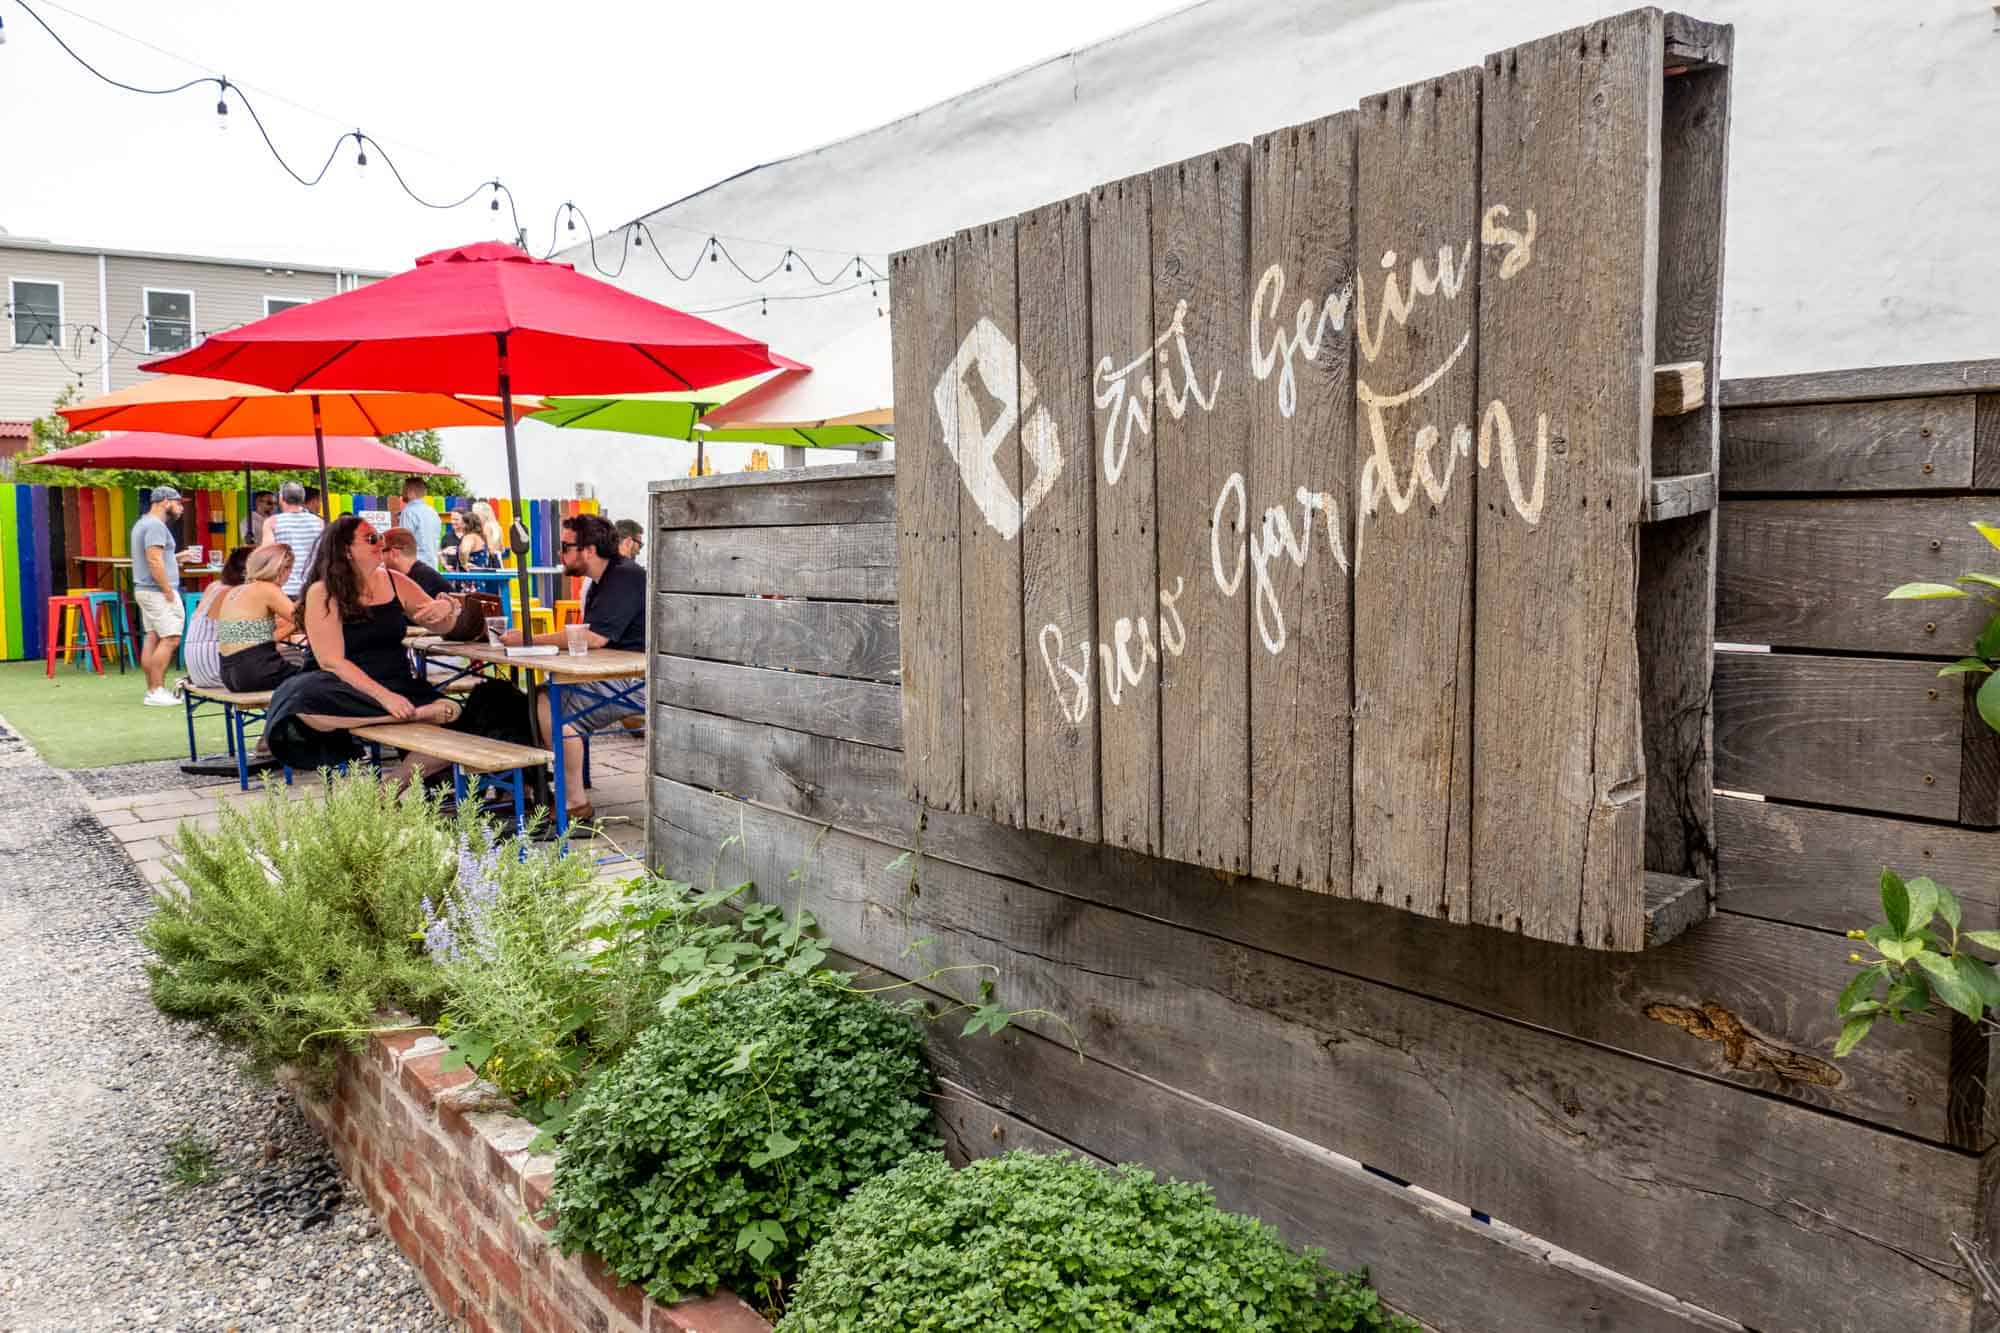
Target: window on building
<point>169,320</point>
<point>273,304</point>
<point>36,311</point>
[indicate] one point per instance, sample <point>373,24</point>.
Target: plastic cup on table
<point>579,641</point>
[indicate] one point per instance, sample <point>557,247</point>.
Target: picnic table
<point>554,672</point>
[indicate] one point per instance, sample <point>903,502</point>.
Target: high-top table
<point>555,673</point>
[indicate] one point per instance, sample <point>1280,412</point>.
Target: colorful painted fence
<point>46,531</point>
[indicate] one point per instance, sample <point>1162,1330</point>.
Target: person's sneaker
<point>161,698</point>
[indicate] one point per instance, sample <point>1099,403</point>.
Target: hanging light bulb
<point>764,306</point>
<point>637,239</point>
<point>495,204</point>
<point>712,248</point>
<point>221,105</point>
<point>572,215</point>
<point>360,151</point>
<point>857,266</point>
<point>788,261</point>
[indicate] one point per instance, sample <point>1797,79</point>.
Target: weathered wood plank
<point>1200,253</point>
<point>858,639</point>
<point>1417,203</point>
<point>856,710</point>
<point>1859,732</point>
<point>1558,808</point>
<point>1674,904</point>
<point>844,493</point>
<point>1312,1195</point>
<point>1839,386</point>
<point>1131,620</point>
<point>1692,44</point>
<point>988,448</point>
<point>1677,548</point>
<point>1986,441</point>
<point>1822,868</point>
<point>1301,445</point>
<point>1058,535</point>
<point>1814,573</point>
<point>1978,760</point>
<point>973,1127</point>
<point>1679,497</point>
<point>850,561</point>
<point>1426,1258</point>
<point>1679,388</point>
<point>923,306</point>
<point>1393,1079</point>
<point>1901,444</point>
<point>1746,1001</point>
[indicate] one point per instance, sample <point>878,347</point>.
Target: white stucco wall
<point>1864,184</point>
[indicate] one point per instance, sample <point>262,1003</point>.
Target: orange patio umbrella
<point>219,410</point>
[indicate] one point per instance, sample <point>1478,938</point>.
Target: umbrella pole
<point>319,443</point>
<point>250,510</point>
<point>517,536</point>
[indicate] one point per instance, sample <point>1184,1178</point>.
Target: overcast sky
<point>621,107</point>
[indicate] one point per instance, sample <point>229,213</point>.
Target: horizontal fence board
<point>1593,1150</point>
<point>849,562</point>
<point>1814,573</point>
<point>857,493</point>
<point>839,638</point>
<point>1748,1001</point>
<point>1902,444</point>
<point>1311,1195</point>
<point>1852,731</point>
<point>1823,868</point>
<point>1835,386</point>
<point>857,710</point>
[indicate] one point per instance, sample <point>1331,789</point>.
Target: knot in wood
<point>1744,1049</point>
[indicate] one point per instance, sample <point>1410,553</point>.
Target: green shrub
<point>299,920</point>
<point>552,975</point>
<point>719,1147</point>
<point>1050,1244</point>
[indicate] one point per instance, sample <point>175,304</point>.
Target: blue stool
<point>189,601</point>
<point>121,629</point>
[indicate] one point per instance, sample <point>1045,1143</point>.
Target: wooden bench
<point>239,710</point>
<point>488,763</point>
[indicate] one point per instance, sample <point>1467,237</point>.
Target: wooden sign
<point>1281,510</point>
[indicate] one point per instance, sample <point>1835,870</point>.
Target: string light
<point>714,244</point>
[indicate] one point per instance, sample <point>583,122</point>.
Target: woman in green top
<point>251,620</point>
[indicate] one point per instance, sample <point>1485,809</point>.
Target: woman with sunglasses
<point>356,611</point>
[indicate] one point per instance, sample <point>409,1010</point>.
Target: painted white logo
<point>973,441</point>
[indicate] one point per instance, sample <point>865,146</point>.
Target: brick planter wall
<point>444,1163</point>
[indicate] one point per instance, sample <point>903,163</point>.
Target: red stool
<point>60,628</point>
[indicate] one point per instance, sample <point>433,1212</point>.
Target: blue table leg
<point>561,814</point>
<point>234,721</point>
<point>520,788</point>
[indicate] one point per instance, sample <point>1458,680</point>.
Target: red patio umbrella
<point>274,453</point>
<point>468,319</point>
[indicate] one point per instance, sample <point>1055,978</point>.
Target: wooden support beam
<point>1674,903</point>
<point>1679,388</point>
<point>1677,497</point>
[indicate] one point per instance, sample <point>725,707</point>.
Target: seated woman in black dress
<point>356,612</point>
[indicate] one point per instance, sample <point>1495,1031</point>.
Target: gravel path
<point>94,1232</point>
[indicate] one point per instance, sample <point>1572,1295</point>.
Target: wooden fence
<point>45,530</point>
<point>1672,1116</point>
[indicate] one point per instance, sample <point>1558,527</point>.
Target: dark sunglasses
<point>372,538</point>
<point>568,546</point>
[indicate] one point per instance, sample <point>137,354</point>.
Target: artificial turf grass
<point>85,720</point>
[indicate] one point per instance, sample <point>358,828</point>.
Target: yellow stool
<point>108,616</point>
<point>568,611</point>
<point>542,619</point>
